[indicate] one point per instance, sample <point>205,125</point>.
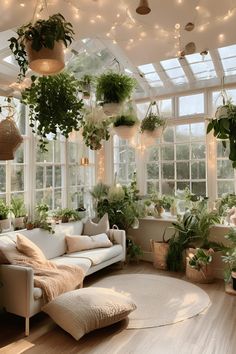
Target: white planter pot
<point>155,134</point>
<point>19,223</point>
<point>111,109</point>
<point>5,225</point>
<point>126,132</point>
<point>46,61</point>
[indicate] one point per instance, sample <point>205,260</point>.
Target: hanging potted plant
<point>86,84</point>
<point>5,223</point>
<point>40,45</point>
<point>224,127</point>
<point>53,106</point>
<point>152,125</point>
<point>95,126</point>
<point>18,209</point>
<point>112,90</point>
<point>125,125</point>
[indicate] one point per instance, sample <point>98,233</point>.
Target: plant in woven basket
<point>53,106</point>
<point>114,87</point>
<point>41,34</point>
<point>224,127</point>
<point>201,259</point>
<point>152,122</point>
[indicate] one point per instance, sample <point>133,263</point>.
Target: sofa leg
<point>27,326</point>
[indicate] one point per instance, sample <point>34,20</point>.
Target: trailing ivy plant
<point>53,106</point>
<point>224,127</point>
<point>114,88</point>
<point>43,33</point>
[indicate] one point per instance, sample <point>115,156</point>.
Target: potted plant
<point>41,219</point>
<point>65,215</point>
<point>40,45</point>
<point>224,127</point>
<point>86,83</point>
<point>53,106</point>
<point>112,90</point>
<point>19,210</point>
<point>229,258</point>
<point>95,128</point>
<point>199,266</point>
<point>125,126</point>
<point>152,125</point>
<point>5,223</point>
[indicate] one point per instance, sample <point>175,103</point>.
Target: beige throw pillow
<point>5,241</point>
<point>91,228</point>
<point>81,311</point>
<point>30,249</point>
<point>81,243</point>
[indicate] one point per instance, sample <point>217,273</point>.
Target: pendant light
<point>143,8</point>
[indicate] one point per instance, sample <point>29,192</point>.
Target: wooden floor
<point>212,332</point>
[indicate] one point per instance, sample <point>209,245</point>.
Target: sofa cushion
<point>5,240</point>
<point>84,263</point>
<point>29,248</point>
<point>81,243</point>
<point>98,255</point>
<point>91,228</point>
<point>81,311</point>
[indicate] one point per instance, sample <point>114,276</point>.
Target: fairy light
<point>22,4</point>
<point>99,17</point>
<point>118,15</point>
<point>92,21</point>
<point>108,34</point>
<point>114,41</point>
<point>197,8</point>
<point>221,37</point>
<point>143,34</point>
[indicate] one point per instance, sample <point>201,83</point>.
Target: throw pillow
<point>29,248</point>
<point>81,311</point>
<point>81,243</point>
<point>4,242</point>
<point>91,228</point>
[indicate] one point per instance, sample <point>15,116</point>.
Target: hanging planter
<point>152,126</point>
<point>40,45</point>
<point>112,90</point>
<point>86,84</point>
<point>126,126</point>
<point>10,137</point>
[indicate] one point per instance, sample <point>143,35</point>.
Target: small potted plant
<point>153,124</point>
<point>199,266</point>
<point>65,215</point>
<point>125,126</point>
<point>19,210</point>
<point>5,223</point>
<point>86,83</point>
<point>112,90</point>
<point>40,45</point>
<point>53,106</point>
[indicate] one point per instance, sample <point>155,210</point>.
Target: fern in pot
<point>126,125</point>
<point>112,90</point>
<point>153,124</point>
<point>19,210</point>
<point>40,45</point>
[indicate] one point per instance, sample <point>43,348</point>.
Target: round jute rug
<point>160,300</point>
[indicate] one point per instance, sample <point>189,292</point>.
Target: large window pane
<point>17,178</point>
<point>193,104</point>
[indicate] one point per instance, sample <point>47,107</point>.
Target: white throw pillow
<point>81,311</point>
<point>81,243</point>
<point>91,228</point>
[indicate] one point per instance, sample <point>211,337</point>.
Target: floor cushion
<point>81,311</point>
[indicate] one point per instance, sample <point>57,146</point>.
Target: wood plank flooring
<point>212,332</point>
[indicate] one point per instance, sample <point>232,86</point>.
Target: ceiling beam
<point>217,63</point>
<point>188,72</point>
<point>163,76</point>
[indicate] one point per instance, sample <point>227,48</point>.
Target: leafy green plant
<point>53,106</point>
<point>41,217</point>
<point>86,83</point>
<point>229,254</point>
<point>42,33</point>
<point>4,210</point>
<point>128,120</point>
<point>134,251</point>
<point>200,259</point>
<point>225,203</point>
<point>66,214</point>
<point>99,191</point>
<point>114,88</point>
<point>151,122</point>
<point>224,127</point>
<point>18,207</point>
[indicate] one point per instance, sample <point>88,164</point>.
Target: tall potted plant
<point>40,45</point>
<point>112,90</point>
<point>125,125</point>
<point>53,106</point>
<point>19,210</point>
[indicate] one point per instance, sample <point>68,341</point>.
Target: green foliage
<point>86,83</point>
<point>43,33</point>
<point>200,259</point>
<point>164,201</point>
<point>152,122</point>
<point>134,251</point>
<point>125,119</point>
<point>18,207</point>
<point>114,87</point>
<point>53,106</point>
<point>4,210</point>
<point>224,127</point>
<point>99,191</point>
<point>229,254</point>
<point>226,202</point>
<point>66,214</point>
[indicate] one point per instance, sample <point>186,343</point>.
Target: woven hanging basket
<point>160,250</point>
<point>126,132</point>
<point>46,61</point>
<point>10,139</point>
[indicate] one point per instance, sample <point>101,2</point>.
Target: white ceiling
<point>134,39</point>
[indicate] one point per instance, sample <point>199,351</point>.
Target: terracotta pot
<point>30,226</point>
<point>46,61</point>
<point>5,225</point>
<point>111,109</point>
<point>126,132</point>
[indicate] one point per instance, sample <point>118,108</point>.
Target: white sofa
<point>20,297</point>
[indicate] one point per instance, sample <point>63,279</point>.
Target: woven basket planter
<point>46,61</point>
<point>5,225</point>
<point>10,139</point>
<point>160,250</point>
<point>19,223</point>
<point>205,275</point>
<point>126,132</point>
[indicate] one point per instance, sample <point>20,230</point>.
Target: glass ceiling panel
<point>152,77</point>
<point>174,71</point>
<point>156,83</point>
<point>147,68</point>
<point>170,63</point>
<point>228,59</point>
<point>226,52</point>
<point>201,66</point>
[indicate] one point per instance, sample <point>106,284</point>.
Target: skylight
<point>228,59</point>
<point>150,74</point>
<point>174,71</point>
<point>201,66</point>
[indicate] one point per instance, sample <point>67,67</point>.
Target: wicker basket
<point>205,275</point>
<point>10,139</point>
<point>160,251</point>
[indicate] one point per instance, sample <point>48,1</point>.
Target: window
<point>191,105</point>
<point>174,71</point>
<point>228,57</point>
<point>201,66</point>
<point>124,160</point>
<point>150,74</point>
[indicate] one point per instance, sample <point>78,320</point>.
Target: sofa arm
<point>17,288</point>
<point>119,237</point>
